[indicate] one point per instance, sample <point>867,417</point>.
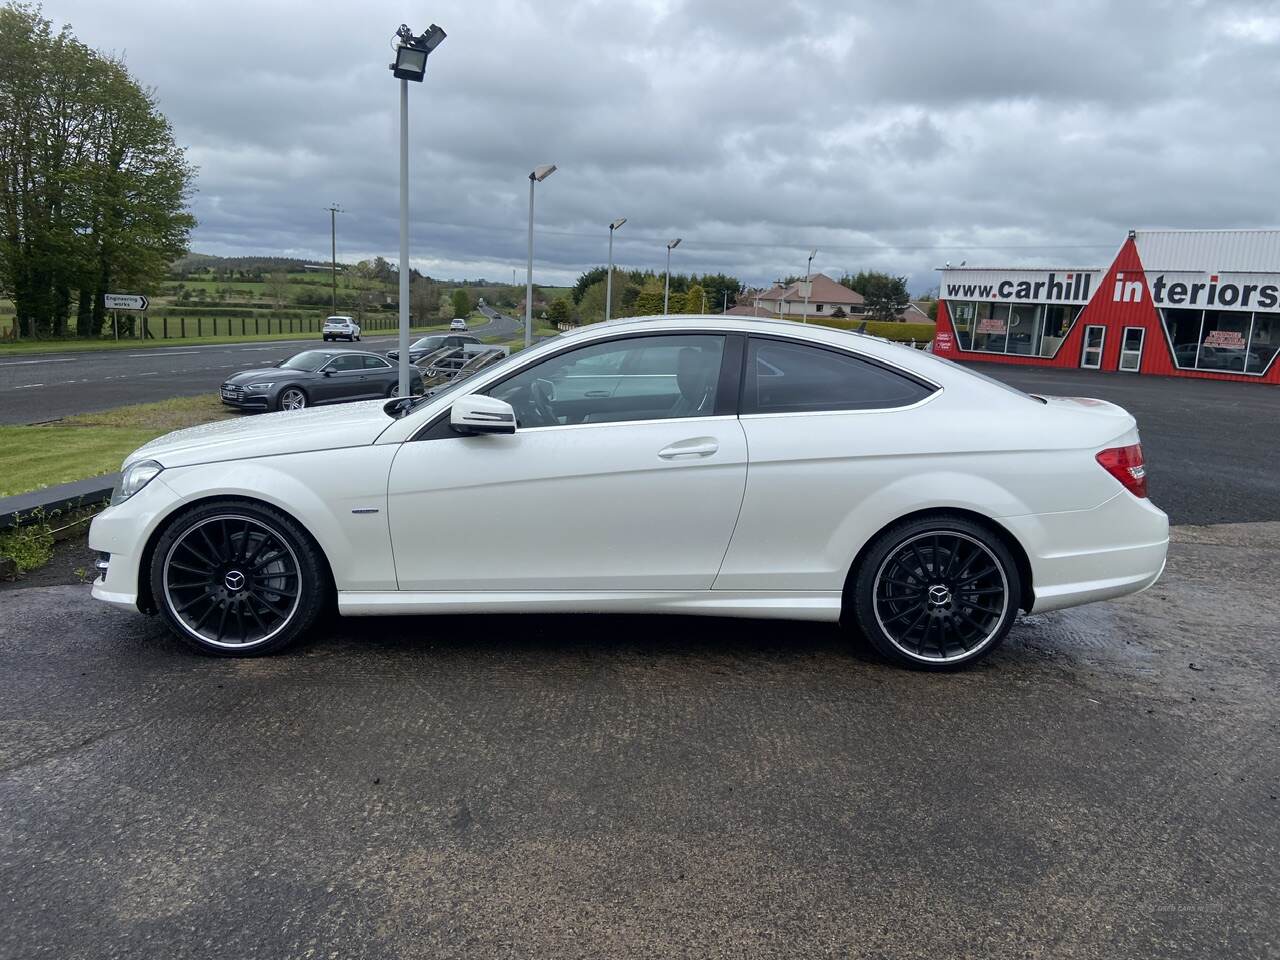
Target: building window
<point>820,307</point>
<point>1223,341</point>
<point>1020,329</point>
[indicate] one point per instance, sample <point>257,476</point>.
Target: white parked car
<point>457,323</point>
<point>699,465</point>
<point>341,328</point>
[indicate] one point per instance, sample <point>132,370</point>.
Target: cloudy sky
<point>890,135</point>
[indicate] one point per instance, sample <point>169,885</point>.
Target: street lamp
<point>608,286</point>
<point>808,284</point>
<point>410,64</point>
<point>666,287</point>
<point>537,176</point>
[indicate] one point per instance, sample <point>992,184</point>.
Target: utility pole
<point>334,210</point>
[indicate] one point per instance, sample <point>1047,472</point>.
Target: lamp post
<point>410,64</point>
<point>608,285</point>
<point>334,210</point>
<point>808,284</point>
<point>537,176</point>
<point>666,286</point>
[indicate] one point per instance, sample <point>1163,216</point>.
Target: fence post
<point>182,325</point>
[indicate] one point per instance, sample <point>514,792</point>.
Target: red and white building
<point>1183,303</point>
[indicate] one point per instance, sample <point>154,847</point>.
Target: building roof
<point>825,290</point>
<point>749,310</point>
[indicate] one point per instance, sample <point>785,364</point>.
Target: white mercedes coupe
<point>694,465</point>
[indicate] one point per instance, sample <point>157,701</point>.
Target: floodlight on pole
<point>410,64</point>
<point>666,286</point>
<point>608,284</point>
<point>537,175</point>
<point>808,283</point>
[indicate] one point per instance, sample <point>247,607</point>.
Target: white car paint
<point>339,326</point>
<point>761,516</point>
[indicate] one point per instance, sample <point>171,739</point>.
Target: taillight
<point>1126,465</point>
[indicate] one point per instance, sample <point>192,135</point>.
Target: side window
<point>785,377</point>
<point>375,363</point>
<point>639,378</point>
<point>347,362</point>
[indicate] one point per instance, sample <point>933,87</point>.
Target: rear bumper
<point>1078,557</point>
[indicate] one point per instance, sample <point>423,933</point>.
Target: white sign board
<point>124,301</point>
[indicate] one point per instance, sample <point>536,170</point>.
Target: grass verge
<point>70,345</point>
<point>91,444</point>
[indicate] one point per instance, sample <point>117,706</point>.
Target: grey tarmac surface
<point>38,387</point>
<point>1105,785</point>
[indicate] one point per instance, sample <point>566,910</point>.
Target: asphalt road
<point>1210,445</point>
<point>37,387</point>
<point>1104,786</point>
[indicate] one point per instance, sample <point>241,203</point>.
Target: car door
<point>378,377</point>
<point>585,496</point>
<point>342,378</point>
<point>829,430</point>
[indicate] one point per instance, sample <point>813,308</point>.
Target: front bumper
<point>242,399</point>
<point>119,534</point>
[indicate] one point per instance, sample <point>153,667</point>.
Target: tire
<point>292,398</point>
<point>326,339</point>
<point>936,593</point>
<point>238,579</point>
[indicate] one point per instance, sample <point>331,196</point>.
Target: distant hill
<point>198,262</point>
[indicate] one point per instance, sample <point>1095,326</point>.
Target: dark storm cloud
<point>891,135</point>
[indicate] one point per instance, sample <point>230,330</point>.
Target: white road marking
<point>23,363</point>
<point>29,386</point>
<point>163,353</point>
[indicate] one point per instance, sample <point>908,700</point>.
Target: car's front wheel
<point>936,592</point>
<point>291,398</point>
<point>238,579</point>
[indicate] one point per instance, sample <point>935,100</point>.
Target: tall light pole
<point>782,299</point>
<point>608,285</point>
<point>334,210</point>
<point>808,284</point>
<point>410,64</point>
<point>537,176</point>
<point>666,286</point>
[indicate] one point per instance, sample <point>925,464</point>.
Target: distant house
<point>824,297</point>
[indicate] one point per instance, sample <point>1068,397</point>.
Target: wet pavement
<point>1104,785</point>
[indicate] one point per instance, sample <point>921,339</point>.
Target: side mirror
<point>480,414</point>
<point>327,372</point>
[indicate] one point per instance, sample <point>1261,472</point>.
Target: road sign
<point>124,301</point>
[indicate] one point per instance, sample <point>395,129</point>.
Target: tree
<point>838,313</point>
<point>93,189</point>
<point>278,287</point>
<point>559,312</point>
<point>461,304</point>
<point>593,275</point>
<point>424,299</point>
<point>886,296</point>
<point>722,290</point>
<point>649,300</point>
<point>693,299</point>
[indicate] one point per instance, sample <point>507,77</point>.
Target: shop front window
<point>1021,329</point>
<point>991,330</point>
<point>1223,341</point>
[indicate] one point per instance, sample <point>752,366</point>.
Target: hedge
<point>889,329</point>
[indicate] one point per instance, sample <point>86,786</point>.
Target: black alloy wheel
<point>937,593</point>
<point>237,579</point>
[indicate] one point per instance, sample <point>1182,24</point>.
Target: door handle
<point>596,393</point>
<point>697,447</point>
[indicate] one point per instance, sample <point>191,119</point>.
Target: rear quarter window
<point>788,377</point>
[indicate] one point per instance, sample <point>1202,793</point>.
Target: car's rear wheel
<point>238,579</point>
<point>937,592</point>
<point>292,398</point>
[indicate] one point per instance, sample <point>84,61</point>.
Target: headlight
<point>136,476</point>
<point>261,386</point>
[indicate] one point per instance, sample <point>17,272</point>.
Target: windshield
<point>457,383</point>
<point>310,360</point>
<point>429,343</point>
<point>991,380</point>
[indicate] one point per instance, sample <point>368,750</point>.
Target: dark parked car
<point>420,348</point>
<point>315,377</point>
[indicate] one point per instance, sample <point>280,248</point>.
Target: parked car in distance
<point>436,341</point>
<point>316,377</point>
<point>699,465</point>
<point>457,323</point>
<point>341,328</point>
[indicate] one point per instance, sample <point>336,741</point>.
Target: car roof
<point>896,354</point>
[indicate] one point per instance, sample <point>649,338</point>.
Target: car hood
<point>267,373</point>
<point>269,434</point>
